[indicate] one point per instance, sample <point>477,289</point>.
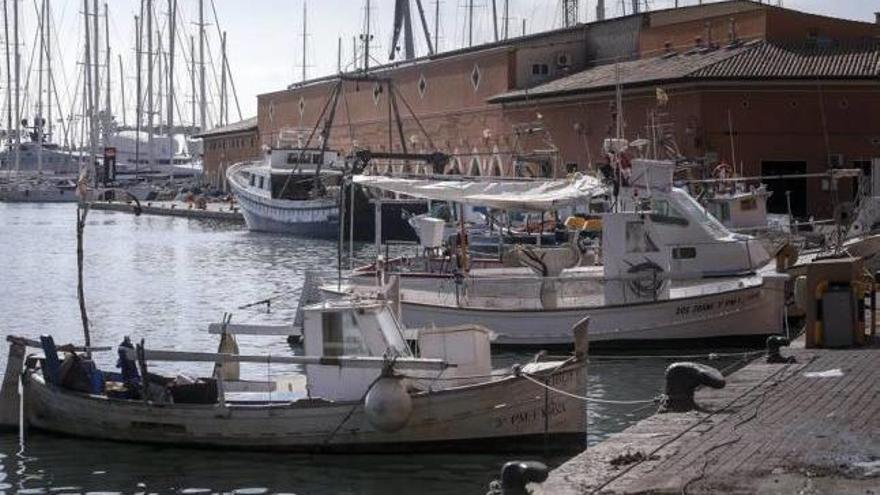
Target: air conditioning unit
<point>836,160</point>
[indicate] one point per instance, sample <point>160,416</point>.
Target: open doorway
<point>778,202</point>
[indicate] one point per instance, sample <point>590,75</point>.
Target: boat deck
<point>808,427</point>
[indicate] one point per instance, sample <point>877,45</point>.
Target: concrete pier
<point>808,427</point>
<point>213,211</point>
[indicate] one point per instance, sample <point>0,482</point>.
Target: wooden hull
<point>735,314</point>
<point>308,218</point>
<point>488,415</point>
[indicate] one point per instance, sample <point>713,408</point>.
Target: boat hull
<point>750,311</point>
<point>317,218</point>
<point>487,416</point>
<point>39,196</point>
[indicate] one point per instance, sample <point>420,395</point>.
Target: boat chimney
<point>600,10</point>
<point>877,18</point>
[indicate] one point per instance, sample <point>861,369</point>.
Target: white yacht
<point>171,155</point>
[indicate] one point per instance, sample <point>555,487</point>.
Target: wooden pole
<point>82,211</point>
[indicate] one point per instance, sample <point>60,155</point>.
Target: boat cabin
<point>369,328</point>
<point>306,159</point>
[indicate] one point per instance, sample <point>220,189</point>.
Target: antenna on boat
<point>366,38</point>
<point>202,100</point>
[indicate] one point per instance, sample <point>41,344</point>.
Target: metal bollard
<point>682,380</point>
<point>774,343</point>
<point>515,475</point>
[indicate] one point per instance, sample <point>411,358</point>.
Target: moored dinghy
<point>366,390</point>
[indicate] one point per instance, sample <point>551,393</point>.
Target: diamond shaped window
<point>377,93</point>
<point>475,77</point>
<point>302,106</point>
<point>423,85</point>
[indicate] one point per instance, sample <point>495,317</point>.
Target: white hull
<point>483,414</point>
<point>312,218</point>
<point>752,311</point>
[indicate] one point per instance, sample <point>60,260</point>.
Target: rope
<point>583,397</point>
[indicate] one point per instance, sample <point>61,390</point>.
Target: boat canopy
<point>502,194</point>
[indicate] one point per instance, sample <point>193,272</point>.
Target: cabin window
<point>748,204</point>
<point>684,253</point>
<point>253,180</point>
<point>540,69</point>
<point>292,158</point>
<point>341,336</point>
<point>262,182</point>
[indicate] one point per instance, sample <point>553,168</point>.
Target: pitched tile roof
<point>780,61</point>
<point>753,60</point>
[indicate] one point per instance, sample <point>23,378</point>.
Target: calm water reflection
<point>165,279</point>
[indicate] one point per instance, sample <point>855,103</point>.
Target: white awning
<point>512,195</point>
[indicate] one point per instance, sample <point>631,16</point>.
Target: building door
<point>778,202</point>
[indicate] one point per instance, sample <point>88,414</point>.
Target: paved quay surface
<point>812,427</point>
<point>213,211</point>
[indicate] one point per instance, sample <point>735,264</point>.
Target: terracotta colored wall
<point>452,111</point>
<point>228,149</point>
<point>797,26</point>
<point>681,36</point>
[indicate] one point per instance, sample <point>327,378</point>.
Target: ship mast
<point>202,101</point>
<point>149,32</point>
<point>172,26</point>
<point>38,127</point>
<point>17,86</point>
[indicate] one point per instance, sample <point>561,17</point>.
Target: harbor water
<point>165,279</point>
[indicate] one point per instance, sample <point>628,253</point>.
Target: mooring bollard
<point>774,343</point>
<point>515,475</point>
<point>682,380</point>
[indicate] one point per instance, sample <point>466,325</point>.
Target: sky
<point>265,39</point>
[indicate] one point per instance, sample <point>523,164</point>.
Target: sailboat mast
<point>50,82</point>
<point>149,31</point>
<point>38,125</point>
<point>17,86</point>
<point>172,27</point>
<point>107,102</point>
<point>96,80</point>
<point>89,95</point>
<point>8,74</point>
<point>224,96</point>
<point>192,77</point>
<point>202,100</point>
<point>305,36</point>
<point>138,103</point>
<point>122,90</point>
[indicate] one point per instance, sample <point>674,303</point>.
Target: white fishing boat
<point>665,270</point>
<point>362,389</point>
<point>291,190</point>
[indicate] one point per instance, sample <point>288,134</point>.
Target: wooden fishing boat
<point>365,390</point>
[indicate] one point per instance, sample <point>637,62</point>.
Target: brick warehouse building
<point>798,91</point>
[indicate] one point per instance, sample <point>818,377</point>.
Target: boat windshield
<point>341,335</point>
